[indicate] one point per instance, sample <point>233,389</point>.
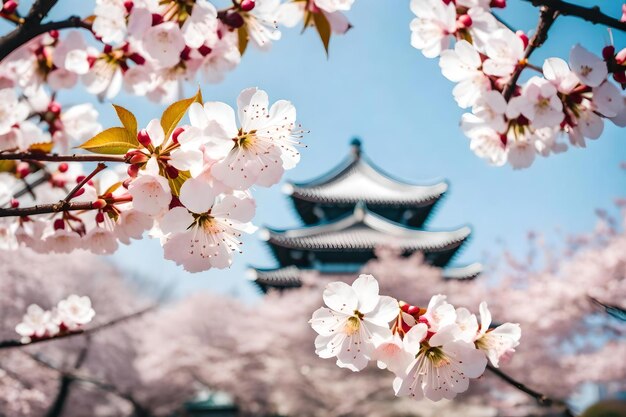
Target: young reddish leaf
<point>175,112</point>
<point>242,34</point>
<point>323,28</point>
<point>113,141</point>
<point>127,118</point>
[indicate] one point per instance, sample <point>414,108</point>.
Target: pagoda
<point>347,214</point>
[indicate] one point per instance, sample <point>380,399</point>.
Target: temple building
<point>347,214</point>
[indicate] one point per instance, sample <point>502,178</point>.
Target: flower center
<point>435,355</point>
<point>352,325</point>
<point>585,70</point>
<point>246,140</point>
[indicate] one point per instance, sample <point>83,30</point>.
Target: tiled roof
<point>365,230</point>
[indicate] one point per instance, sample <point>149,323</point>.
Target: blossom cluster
<point>151,48</point>
<point>433,352</point>
<point>188,185</point>
<point>510,121</point>
<point>70,315</point>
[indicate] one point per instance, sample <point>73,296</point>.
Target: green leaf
<point>112,188</point>
<point>175,112</point>
<point>323,28</point>
<point>127,118</point>
<point>113,141</point>
<point>178,182</point>
<point>242,35</point>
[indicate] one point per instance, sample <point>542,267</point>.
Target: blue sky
<point>376,86</point>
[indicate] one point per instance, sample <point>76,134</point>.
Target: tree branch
<point>547,16</point>
<point>33,27</point>
<point>46,209</point>
<point>542,399</point>
<point>590,14</point>
<point>53,157</point>
<point>8,344</point>
<point>82,183</point>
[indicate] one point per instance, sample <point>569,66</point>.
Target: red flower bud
<point>138,158</point>
<point>247,5</point>
<point>78,193</point>
<point>99,217</point>
<point>498,4</point>
<point>464,21</point>
<point>128,5</point>
<point>520,34</point>
<point>177,133</point>
<point>405,327</point>
<point>59,224</point>
<point>204,50</point>
<point>15,203</point>
<point>9,7</point>
<point>608,52</point>
<point>54,108</point>
<point>137,59</point>
<point>63,167</point>
<point>22,169</point>
<point>412,310</point>
<point>156,19</point>
<point>144,138</point>
<point>232,19</point>
<point>620,76</point>
<point>99,204</point>
<point>132,171</point>
<point>171,172</point>
<point>54,34</point>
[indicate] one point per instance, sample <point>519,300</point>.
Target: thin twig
<point>590,14</point>
<point>53,157</point>
<point>547,17</point>
<point>8,344</point>
<point>100,167</point>
<point>542,399</point>
<point>46,209</point>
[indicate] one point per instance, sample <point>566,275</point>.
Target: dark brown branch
<point>546,19</point>
<point>8,344</point>
<point>542,399</point>
<point>590,14</point>
<point>53,157</point>
<point>46,209</point>
<point>33,27</point>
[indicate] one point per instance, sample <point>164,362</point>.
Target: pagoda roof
<point>357,179</point>
<point>291,276</point>
<point>362,230</point>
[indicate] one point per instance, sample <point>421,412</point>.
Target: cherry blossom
<point>37,323</point>
<point>499,341</point>
<point>75,311</point>
<point>354,323</point>
<point>432,29</point>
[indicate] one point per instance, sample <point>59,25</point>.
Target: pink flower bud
<point>247,5</point>
<point>498,4</point>
<point>177,133</point>
<point>464,21</point>
<point>520,34</point>
<point>54,34</point>
<point>99,204</point>
<point>63,167</point>
<point>79,192</point>
<point>99,217</point>
<point>413,310</point>
<point>54,108</point>
<point>144,138</point>
<point>15,203</point>
<point>608,52</point>
<point>59,224</point>
<point>128,5</point>
<point>9,7</point>
<point>138,158</point>
<point>620,58</point>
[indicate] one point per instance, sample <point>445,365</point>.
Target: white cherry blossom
<point>504,50</point>
<point>590,69</point>
<point>607,99</point>
<point>463,65</point>
<point>499,341</point>
<point>355,321</point>
<point>164,43</point>
<point>433,28</point>
<point>538,102</point>
<point>200,28</point>
<point>439,313</point>
<point>75,311</point>
<point>38,323</point>
<point>558,72</point>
